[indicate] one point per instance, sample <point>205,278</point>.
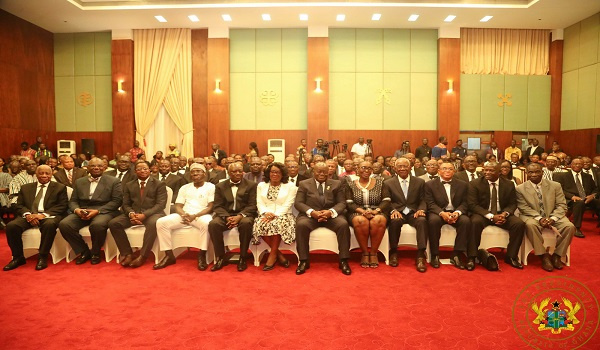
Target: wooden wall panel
<point>578,142</point>
<point>448,102</point>
<point>200,90</point>
<point>218,103</point>
<point>241,138</point>
<point>318,102</point>
<point>122,102</point>
<point>556,70</point>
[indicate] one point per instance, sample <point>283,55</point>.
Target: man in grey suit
<point>432,168</point>
<point>320,202</point>
<point>144,203</point>
<point>542,205</point>
<point>95,201</point>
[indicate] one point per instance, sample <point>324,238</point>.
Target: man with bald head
<point>413,171</point>
<point>124,170</point>
<point>68,174</point>
<point>431,167</point>
<point>255,173</point>
<point>40,204</point>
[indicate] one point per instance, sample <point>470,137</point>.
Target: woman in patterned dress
<point>365,201</point>
<point>274,200</point>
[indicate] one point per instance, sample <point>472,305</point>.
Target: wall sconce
<point>218,86</point>
<point>450,86</point>
<point>120,86</point>
<point>318,88</point>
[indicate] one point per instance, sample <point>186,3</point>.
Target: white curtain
<point>161,133</point>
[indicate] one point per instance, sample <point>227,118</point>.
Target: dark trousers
<point>420,224</point>
<point>117,228</point>
<point>514,226</point>
<point>15,229</point>
<point>305,225</point>
<point>218,225</point>
<point>70,226</point>
<point>579,207</point>
<point>463,230</point>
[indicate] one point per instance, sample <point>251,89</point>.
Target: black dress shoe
<point>487,259</point>
<point>166,261</point>
<point>242,266</point>
<point>435,261</point>
<point>139,261</point>
<point>470,264</point>
<point>421,264</point>
<point>546,263</point>
<point>14,263</point>
<point>285,263</point>
<point>557,262</point>
<point>83,258</point>
<point>302,267</point>
<point>394,260</point>
<point>345,267</point>
<point>514,263</point>
<point>218,265</point>
<point>42,263</point>
<point>202,265</point>
<point>268,267</point>
<point>579,234</point>
<point>455,260</point>
<point>95,260</point>
<point>127,260</point>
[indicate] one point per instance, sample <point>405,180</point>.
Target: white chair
<point>135,235</point>
<point>494,237</point>
<point>258,250</point>
<point>447,239</point>
<point>384,247</point>
<point>189,236</point>
<point>231,239</point>
<point>408,238</point>
<point>549,243</point>
<point>32,238</point>
<point>87,237</point>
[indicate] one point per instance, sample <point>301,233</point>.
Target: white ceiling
<point>67,16</point>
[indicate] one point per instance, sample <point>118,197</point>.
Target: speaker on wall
<point>88,146</point>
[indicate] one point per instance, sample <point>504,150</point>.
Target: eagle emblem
<point>555,318</point>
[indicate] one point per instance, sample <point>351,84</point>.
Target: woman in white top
<point>274,200</point>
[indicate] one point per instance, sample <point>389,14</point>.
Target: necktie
<point>164,177</point>
<point>321,192</point>
<point>120,176</point>
<point>540,200</point>
<point>38,199</point>
<point>70,176</point>
<point>405,188</point>
<point>142,187</point>
<point>472,177</point>
<point>579,186</point>
<point>494,203</point>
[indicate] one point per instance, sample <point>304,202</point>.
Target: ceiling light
<point>304,17</point>
<point>450,18</point>
<point>486,18</point>
<point>340,18</point>
<point>376,17</point>
<point>266,17</point>
<point>194,18</point>
<point>226,18</point>
<point>413,18</point>
<point>160,19</point>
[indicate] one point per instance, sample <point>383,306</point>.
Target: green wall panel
<point>85,113</point>
<point>268,50</point>
<point>571,48</point>
<point>294,50</point>
<point>64,55</point>
<point>396,50</point>
<point>293,101</point>
<point>491,113</point>
<point>342,50</point>
<point>396,114</point>
<point>369,50</point>
<point>470,102</point>
<point>103,103</point>
<point>242,50</point>
<point>588,41</point>
<point>423,103</point>
<point>268,104</point>
<point>65,103</point>
<point>538,104</point>
<point>84,53</point>
<point>342,97</point>
<point>515,115</point>
<point>597,122</point>
<point>102,53</point>
<point>586,98</point>
<point>423,50</point>
<point>570,81</point>
<point>243,105</point>
<point>369,113</point>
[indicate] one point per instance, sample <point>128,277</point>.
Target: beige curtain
<point>156,55</point>
<point>504,51</point>
<point>178,100</point>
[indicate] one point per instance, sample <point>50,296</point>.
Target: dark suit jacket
<point>308,196</point>
<point>416,194</point>
<point>245,199</point>
<point>463,176</point>
<point>500,153</point>
<point>221,155</point>
<point>55,200</point>
<point>419,171</point>
<point>61,176</point>
<point>539,150</point>
<point>174,182</point>
<point>299,179</point>
<point>215,176</point>
<point>153,201</point>
<point>437,200</point>
<point>479,196</point>
<point>129,176</point>
<point>567,182</point>
<point>107,197</point>
<point>423,151</point>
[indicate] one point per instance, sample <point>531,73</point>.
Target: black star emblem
<point>556,304</point>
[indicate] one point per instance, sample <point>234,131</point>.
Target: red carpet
<point>108,307</point>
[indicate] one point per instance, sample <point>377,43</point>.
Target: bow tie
<point>236,184</point>
<point>94,179</point>
<point>431,177</point>
<point>446,182</point>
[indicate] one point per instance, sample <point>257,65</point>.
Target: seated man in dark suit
<point>144,203</point>
<point>213,174</point>
<point>447,204</point>
<point>40,204</point>
<point>123,172</point>
<point>256,173</point>
<point>173,181</point>
<point>321,203</point>
<point>234,206</point>
<point>416,172</point>
<point>470,173</point>
<point>580,192</point>
<point>407,207</point>
<point>68,174</point>
<point>493,201</point>
<point>95,201</point>
<point>294,176</point>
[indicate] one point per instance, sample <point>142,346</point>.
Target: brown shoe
<point>421,264</point>
<point>127,260</point>
<point>139,261</point>
<point>546,263</point>
<point>557,262</point>
<point>394,259</point>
